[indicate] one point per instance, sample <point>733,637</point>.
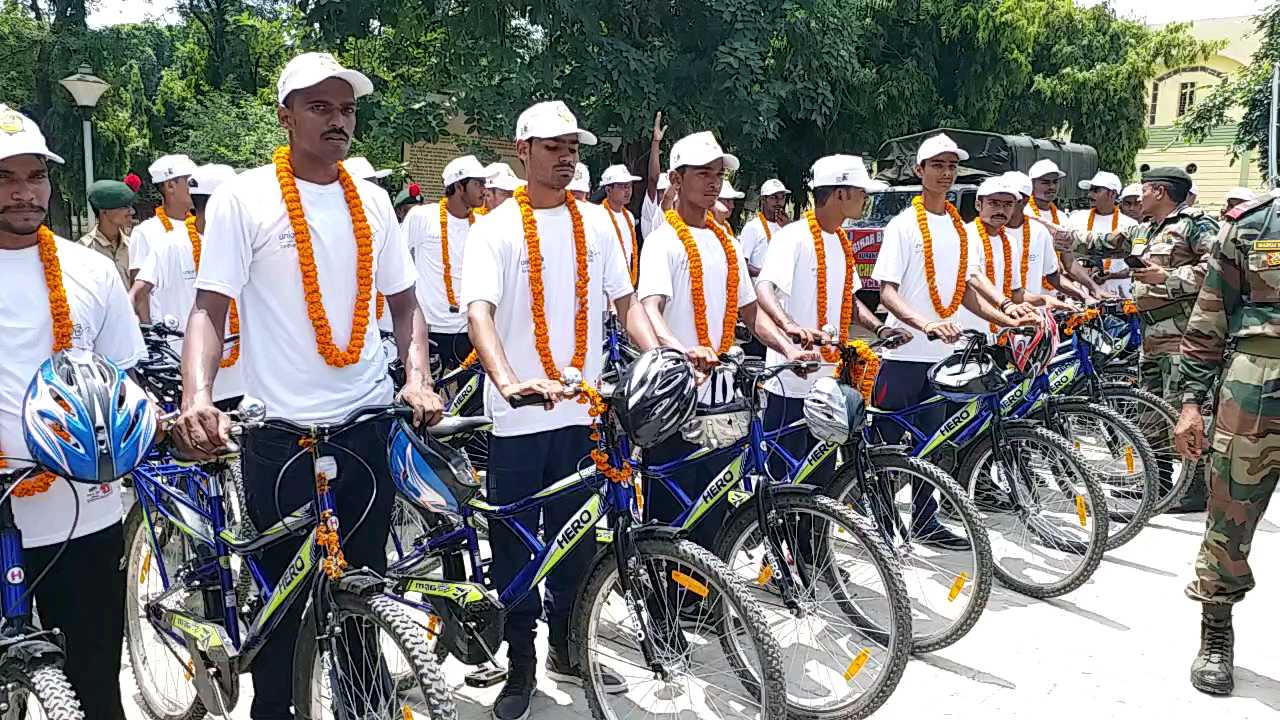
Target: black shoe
<point>513,701</point>
<point>1189,504</point>
<point>939,537</point>
<point>560,669</point>
<point>1213,669</point>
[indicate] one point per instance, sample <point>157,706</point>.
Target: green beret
<point>110,195</point>
<point>1175,176</point>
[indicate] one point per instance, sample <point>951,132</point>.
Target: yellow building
<point>1175,90</point>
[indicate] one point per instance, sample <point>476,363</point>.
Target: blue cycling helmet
<point>429,473</point>
<point>85,420</point>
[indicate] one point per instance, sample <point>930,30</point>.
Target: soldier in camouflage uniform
<point>1174,242</point>
<point>1239,307</point>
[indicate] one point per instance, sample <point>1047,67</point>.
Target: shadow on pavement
<point>1138,566</point>
<point>1265,690</point>
<point>965,671</point>
<point>1086,614</point>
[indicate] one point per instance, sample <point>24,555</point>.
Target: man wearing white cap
<point>360,168</point>
<point>729,195</point>
<point>169,174</point>
<point>95,317</point>
<point>1104,190</point>
<point>437,237</point>
<point>999,200</point>
<point>1033,241</point>
<point>618,184</point>
<point>1131,202</point>
<point>657,188</point>
<point>538,275</point>
<point>166,281</point>
<point>695,285</point>
<point>759,230</point>
<point>500,184</point>
<point>804,290</point>
<point>1236,196</point>
<point>304,249</point>
<point>581,184</point>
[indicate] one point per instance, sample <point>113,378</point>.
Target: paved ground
<point>1120,647</point>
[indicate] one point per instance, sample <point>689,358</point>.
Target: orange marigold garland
<point>60,313</point>
<point>333,356</point>
<point>864,370</point>
<point>831,354</point>
<point>444,256</point>
<point>922,221</point>
<point>635,245</point>
<point>1053,212</point>
<point>537,308</point>
<point>164,218</point>
<point>1115,225</point>
<point>194,236</point>
<point>1005,288</point>
<point>696,289</point>
<point>768,235</point>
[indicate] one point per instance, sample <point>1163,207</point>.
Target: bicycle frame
<point>22,644</point>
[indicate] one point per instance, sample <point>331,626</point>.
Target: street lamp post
<point>86,88</point>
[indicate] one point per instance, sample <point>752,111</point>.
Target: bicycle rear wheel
<point>714,655</point>
<point>1044,510</point>
<point>845,636</point>
<point>1155,419</point>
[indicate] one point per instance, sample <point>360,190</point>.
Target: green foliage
<point>227,127</point>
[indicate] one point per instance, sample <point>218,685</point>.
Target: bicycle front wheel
<point>1044,510</point>
<point>687,640</point>
<point>1155,419</point>
<point>43,693</point>
<point>844,628</point>
<point>371,662</point>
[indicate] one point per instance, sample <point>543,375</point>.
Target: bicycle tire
<point>790,510</point>
<point>1092,499</point>
<point>845,486</point>
<point>49,687</point>
<point>1124,525</point>
<point>1162,418</point>
<point>711,575</point>
<point>387,615</point>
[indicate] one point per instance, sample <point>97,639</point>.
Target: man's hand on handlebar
<point>704,359</point>
<point>808,357</point>
<point>427,406</point>
<point>893,337</point>
<point>203,432</point>
<point>551,392</point>
<point>805,337</point>
<point>945,330</point>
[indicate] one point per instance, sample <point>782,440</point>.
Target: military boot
<point>1214,667</point>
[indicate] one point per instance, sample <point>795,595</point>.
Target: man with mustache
<point>304,248</point>
<point>1104,189</point>
<point>759,230</point>
<point>96,318</point>
<point>1034,241</point>
<point>169,174</point>
<point>112,205</point>
<point>526,254</point>
<point>1069,279</point>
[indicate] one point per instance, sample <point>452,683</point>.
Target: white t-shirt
<point>102,322</point>
<point>144,235</point>
<point>1102,223</point>
<point>250,253</point>
<point>664,271</point>
<point>170,269</point>
<point>754,241</point>
<point>497,271</point>
<point>422,234</point>
<point>901,261</point>
<point>791,265</point>
<point>652,216</point>
<point>1042,260</point>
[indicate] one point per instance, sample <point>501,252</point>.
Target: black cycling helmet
<point>656,397</point>
<point>971,373</point>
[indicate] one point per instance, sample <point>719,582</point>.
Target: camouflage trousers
<point>1243,471</point>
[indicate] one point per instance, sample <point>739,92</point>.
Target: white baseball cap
<point>207,178</point>
<point>617,174</point>
<point>700,148</point>
<point>727,191</point>
<point>170,167</point>
<point>1134,190</point>
<point>311,69</point>
<point>844,171</point>
<point>1044,167</point>
<point>1019,181</point>
<point>19,135</point>
<point>581,179</point>
<point>998,185</point>
<point>937,145</point>
<point>500,176</point>
<point>773,187</point>
<point>1105,180</point>
<point>1240,193</point>
<point>550,120</point>
<point>359,167</point>
<point>463,168</point>
<point>664,181</point>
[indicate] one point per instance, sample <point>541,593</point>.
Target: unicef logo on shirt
<point>286,240</point>
<point>77,331</point>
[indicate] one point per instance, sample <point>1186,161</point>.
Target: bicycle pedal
<point>483,677</point>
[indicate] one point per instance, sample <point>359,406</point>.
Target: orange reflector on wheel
<point>433,627</point>
<point>1080,511</point>
<point>189,670</point>
<point>689,583</point>
<point>1128,458</point>
<point>407,712</point>
<point>146,568</point>
<point>855,667</point>
<point>957,586</point>
<point>766,572</point>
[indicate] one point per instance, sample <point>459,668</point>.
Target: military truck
<point>989,154</point>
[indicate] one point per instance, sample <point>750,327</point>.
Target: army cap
<point>110,195</point>
<point>1175,176</point>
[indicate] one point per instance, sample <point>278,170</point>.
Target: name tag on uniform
<point>1265,245</point>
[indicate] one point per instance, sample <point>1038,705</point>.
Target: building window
<point>1186,97</point>
<point>1155,99</point>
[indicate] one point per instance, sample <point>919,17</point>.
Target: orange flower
<point>831,354</point>
<point>865,368</point>
<point>1005,288</point>
<point>194,236</point>
<point>768,235</point>
<point>444,256</point>
<point>1053,211</point>
<point>537,308</point>
<point>1115,225</point>
<point>698,292</point>
<point>325,346</point>
<point>164,218</point>
<point>635,245</point>
<point>923,222</point>
<point>1025,261</point>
